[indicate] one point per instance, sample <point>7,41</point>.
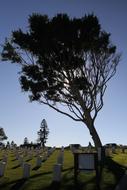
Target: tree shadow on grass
<point>18,185</point>
<point>68,182</point>
<point>40,174</point>
<point>68,169</point>
<point>36,167</point>
<point>117,169</point>
<point>14,159</point>
<point>29,159</point>
<point>17,166</point>
<point>53,186</point>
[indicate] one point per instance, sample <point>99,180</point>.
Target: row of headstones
<point>20,155</point>
<point>26,166</point>
<point>114,150</point>
<point>30,153</point>
<point>107,151</point>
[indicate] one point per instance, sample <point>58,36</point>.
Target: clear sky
<point>20,119</point>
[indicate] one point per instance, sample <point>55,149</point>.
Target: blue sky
<point>20,119</point>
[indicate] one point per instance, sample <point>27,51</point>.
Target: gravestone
<point>4,159</point>
<point>60,158</point>
<point>62,148</point>
<point>39,161</point>
<point>20,159</point>
<point>37,153</point>
<point>107,152</point>
<point>49,152</point>
<point>57,173</point>
<point>123,149</point>
<point>2,168</point>
<point>113,150</point>
<point>17,155</point>
<point>26,170</point>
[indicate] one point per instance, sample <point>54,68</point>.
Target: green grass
<point>41,178</point>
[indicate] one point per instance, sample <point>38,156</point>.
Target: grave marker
<point>4,159</point>
<point>57,173</point>
<point>26,170</point>
<point>2,168</point>
<point>20,159</point>
<point>60,158</point>
<point>39,161</point>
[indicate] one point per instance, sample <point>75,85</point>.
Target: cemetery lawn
<point>41,178</point>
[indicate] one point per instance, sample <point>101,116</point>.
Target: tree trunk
<point>93,133</point>
<point>95,137</point>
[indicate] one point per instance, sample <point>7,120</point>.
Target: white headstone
<point>57,172</point>
<point>60,159</point>
<point>17,155</point>
<point>48,152</point>
<point>62,148</point>
<point>107,152</point>
<point>4,159</point>
<point>20,159</point>
<point>123,149</point>
<point>73,149</point>
<point>39,161</point>
<point>2,168</point>
<point>26,170</point>
<point>113,150</point>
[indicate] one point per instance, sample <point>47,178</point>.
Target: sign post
<point>86,162</point>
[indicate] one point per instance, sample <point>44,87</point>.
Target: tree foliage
<point>2,134</point>
<point>26,141</point>
<point>65,61</point>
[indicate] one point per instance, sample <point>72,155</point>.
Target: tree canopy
<point>26,141</point>
<point>2,134</point>
<point>65,61</point>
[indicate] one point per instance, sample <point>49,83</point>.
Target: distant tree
<point>12,144</point>
<point>26,142</point>
<point>65,62</point>
<point>43,133</point>
<point>8,144</point>
<point>2,134</point>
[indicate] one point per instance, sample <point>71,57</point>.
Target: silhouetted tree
<point>65,61</point>
<point>26,142</point>
<point>43,133</point>
<point>8,144</point>
<point>2,134</point>
<point>13,144</point>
